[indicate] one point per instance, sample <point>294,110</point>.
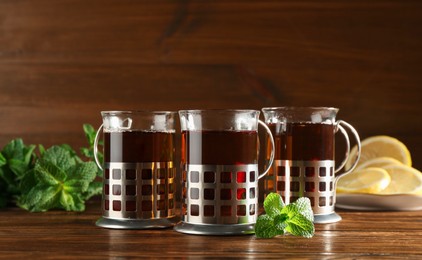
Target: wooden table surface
<point>69,235</point>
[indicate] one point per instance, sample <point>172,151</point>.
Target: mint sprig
<point>89,151</point>
<point>56,178</point>
<point>296,218</point>
<point>57,181</point>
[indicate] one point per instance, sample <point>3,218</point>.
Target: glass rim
<point>217,110</point>
<point>293,108</point>
<point>129,112</point>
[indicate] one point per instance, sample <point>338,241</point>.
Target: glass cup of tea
<point>139,170</point>
<point>304,163</point>
<point>219,161</point>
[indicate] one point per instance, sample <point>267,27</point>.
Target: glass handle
<point>272,149</point>
<point>96,147</point>
<point>346,136</point>
<point>346,156</point>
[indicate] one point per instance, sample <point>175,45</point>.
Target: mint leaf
<point>49,173</point>
<point>40,198</point>
<point>17,151</point>
<point>94,188</point>
<point>265,228</point>
<point>273,204</point>
<point>28,181</point>
<point>72,201</point>
<point>89,133</point>
<point>41,149</point>
<point>295,218</point>
<point>300,226</point>
<point>72,152</point>
<point>304,207</point>
<point>58,156</point>
<point>3,160</point>
<point>18,167</point>
<point>80,176</point>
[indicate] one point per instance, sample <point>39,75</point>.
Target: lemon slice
<point>404,180</point>
<point>379,162</point>
<point>368,180</point>
<point>381,146</point>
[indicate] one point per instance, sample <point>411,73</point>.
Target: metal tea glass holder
<point>137,195</point>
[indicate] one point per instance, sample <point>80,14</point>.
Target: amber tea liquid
<point>219,147</point>
<point>303,141</point>
<point>138,146</point>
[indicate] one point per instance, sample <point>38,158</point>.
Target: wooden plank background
<point>63,61</point>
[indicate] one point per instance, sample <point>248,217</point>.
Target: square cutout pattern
<point>122,185</point>
<point>235,190</point>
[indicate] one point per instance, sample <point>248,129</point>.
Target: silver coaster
<point>214,229</point>
<point>136,223</point>
<point>328,218</point>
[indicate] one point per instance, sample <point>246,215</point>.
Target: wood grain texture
<point>61,235</point>
<point>62,62</point>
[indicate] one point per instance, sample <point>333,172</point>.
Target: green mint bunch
<point>296,218</point>
<point>56,178</point>
<point>58,181</point>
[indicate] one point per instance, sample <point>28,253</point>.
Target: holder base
<point>328,218</point>
<point>214,229</point>
<point>136,223</point>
